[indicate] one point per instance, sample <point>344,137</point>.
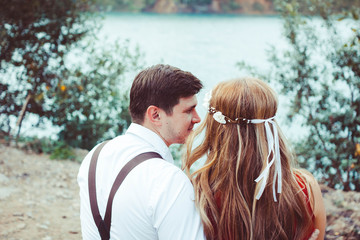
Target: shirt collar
<point>151,138</point>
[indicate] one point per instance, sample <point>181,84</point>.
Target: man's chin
<point>181,141</point>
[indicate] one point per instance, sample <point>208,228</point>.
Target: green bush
<point>56,149</point>
<point>230,6</point>
<point>319,73</point>
<point>258,7</point>
<point>62,151</point>
<point>56,69</point>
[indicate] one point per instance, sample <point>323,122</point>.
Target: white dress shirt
<point>156,199</point>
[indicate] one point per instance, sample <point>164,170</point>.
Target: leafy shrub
<point>258,7</point>
<point>62,151</point>
<point>56,149</point>
<point>55,69</point>
<point>319,73</point>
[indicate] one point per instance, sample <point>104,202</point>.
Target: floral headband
<point>273,145</point>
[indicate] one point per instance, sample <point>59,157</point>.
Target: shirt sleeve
<point>174,213</point>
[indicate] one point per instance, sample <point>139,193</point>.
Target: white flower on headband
<point>219,117</point>
<point>207,98</point>
<point>273,157</point>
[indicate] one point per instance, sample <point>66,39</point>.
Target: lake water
<point>209,46</point>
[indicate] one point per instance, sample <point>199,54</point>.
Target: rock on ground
<point>342,214</point>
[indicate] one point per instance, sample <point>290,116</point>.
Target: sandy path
<point>38,197</point>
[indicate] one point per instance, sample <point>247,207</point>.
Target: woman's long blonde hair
<point>235,156</point>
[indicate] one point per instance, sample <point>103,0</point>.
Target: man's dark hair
<point>161,86</point>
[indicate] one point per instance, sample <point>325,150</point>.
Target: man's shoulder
<point>159,166</point>
<point>161,174</point>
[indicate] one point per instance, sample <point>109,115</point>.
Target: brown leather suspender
<point>104,225</point>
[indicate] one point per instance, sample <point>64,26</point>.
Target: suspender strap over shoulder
<point>92,194</point>
<point>104,225</point>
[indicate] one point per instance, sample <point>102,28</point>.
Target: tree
<point>40,76</point>
<point>320,73</point>
<point>34,39</point>
<point>89,104</point>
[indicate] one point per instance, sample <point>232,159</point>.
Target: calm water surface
<point>209,46</point>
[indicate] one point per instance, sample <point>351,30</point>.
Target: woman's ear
<point>153,115</point>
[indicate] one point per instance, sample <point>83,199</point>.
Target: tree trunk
<point>21,116</point>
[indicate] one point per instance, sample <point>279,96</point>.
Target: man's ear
<point>153,115</point>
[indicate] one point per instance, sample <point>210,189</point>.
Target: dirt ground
<point>38,197</point>
<point>39,200</point>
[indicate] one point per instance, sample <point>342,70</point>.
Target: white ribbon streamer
<point>273,147</point>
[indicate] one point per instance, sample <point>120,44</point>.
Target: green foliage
<point>229,6</point>
<point>256,6</point>
<point>56,149</point>
<point>147,5</point>
<point>320,74</point>
<point>197,2</point>
<point>35,144</point>
<point>52,67</point>
<point>34,39</point>
<point>91,102</point>
<point>62,151</point>
<point>176,152</point>
<point>128,5</point>
<point>226,5</point>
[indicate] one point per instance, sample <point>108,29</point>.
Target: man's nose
<point>196,118</point>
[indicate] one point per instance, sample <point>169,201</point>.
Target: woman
<point>248,187</point>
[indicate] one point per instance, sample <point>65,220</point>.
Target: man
<point>156,199</point>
